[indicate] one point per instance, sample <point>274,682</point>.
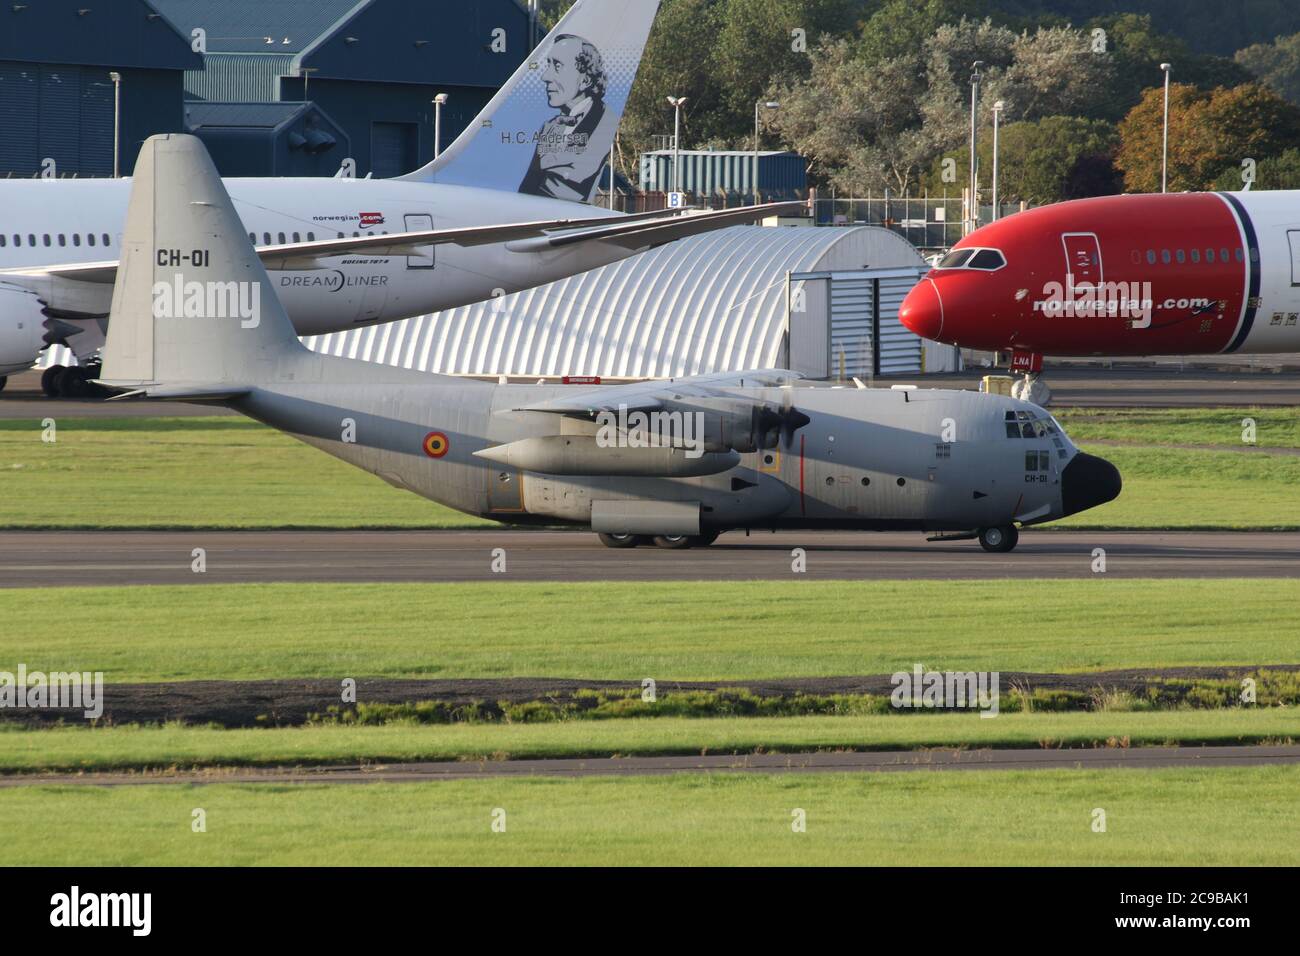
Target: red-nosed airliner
<point>500,210</point>
<point>1160,274</point>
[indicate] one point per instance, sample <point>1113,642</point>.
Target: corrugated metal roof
<point>246,26</point>
<point>261,115</point>
<point>715,302</point>
<point>239,76</point>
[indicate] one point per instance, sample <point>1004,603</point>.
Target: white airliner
<point>500,210</point>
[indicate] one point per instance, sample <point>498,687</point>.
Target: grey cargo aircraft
<point>677,462</point>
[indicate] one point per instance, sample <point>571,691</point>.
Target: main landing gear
<point>999,540</point>
<point>72,381</point>
<point>671,542</point>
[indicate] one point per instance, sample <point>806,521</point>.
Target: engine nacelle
<point>583,455</point>
<point>739,424</point>
<point>22,329</point>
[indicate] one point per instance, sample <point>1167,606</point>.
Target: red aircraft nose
<point>922,310</point>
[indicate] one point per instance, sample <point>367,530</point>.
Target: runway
<point>59,558</point>
<point>1157,387</point>
<point>1138,758</point>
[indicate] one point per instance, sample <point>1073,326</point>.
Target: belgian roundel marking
<point>436,444</point>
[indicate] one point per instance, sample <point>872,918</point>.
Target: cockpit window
<point>989,259</point>
<point>986,260</point>
<point>1025,424</point>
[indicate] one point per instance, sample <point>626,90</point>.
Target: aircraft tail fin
<point>549,130</point>
<point>192,306</point>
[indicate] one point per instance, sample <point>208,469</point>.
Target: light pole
<point>439,102</point>
<point>1164,145</point>
<point>997,115</point>
<point>677,102</point>
<point>761,104</point>
<point>117,118</point>
<point>973,210</point>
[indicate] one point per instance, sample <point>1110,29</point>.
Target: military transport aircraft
<point>502,209</point>
<point>741,450</point>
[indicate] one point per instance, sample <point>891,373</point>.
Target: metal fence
<point>931,223</point>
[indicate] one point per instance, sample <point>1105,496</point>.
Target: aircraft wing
<point>651,395</point>
<point>647,235</point>
<point>639,230</point>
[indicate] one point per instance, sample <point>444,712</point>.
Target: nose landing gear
<point>1031,388</point>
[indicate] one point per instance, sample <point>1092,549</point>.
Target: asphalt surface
<point>1140,758</point>
<point>53,558</point>
<point>1155,387</point>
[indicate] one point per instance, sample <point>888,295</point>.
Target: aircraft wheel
<point>50,380</point>
<point>74,384</point>
<point>619,540</point>
<point>4,380</point>
<point>674,542</point>
<point>999,540</point>
<point>706,539</point>
<point>1036,391</point>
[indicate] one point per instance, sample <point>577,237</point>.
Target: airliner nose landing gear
<point>1031,388</point>
<point>999,540</point>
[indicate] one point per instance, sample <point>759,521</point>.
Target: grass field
<point>123,748</point>
<point>1197,817</point>
<point>665,630</point>
<point>1275,427</point>
<point>193,473</point>
<point>233,473</point>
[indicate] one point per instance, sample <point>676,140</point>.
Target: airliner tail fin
<point>549,130</point>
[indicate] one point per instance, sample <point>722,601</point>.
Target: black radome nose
<point>1088,481</point>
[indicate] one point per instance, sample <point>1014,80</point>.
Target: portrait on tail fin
<point>565,165</point>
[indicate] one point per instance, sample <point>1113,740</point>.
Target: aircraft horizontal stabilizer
<point>181,393</point>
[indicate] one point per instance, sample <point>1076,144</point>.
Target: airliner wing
<point>641,230</point>
<point>647,235</point>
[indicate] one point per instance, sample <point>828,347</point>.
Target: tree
<point>1277,64</point>
<point>901,27</point>
<point>1273,172</point>
<point>1138,49</point>
<point>723,55</point>
<point>1045,161</point>
<point>1208,133</point>
<point>877,126</point>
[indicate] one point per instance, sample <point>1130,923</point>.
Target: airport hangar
<point>276,89</point>
<point>821,301</point>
